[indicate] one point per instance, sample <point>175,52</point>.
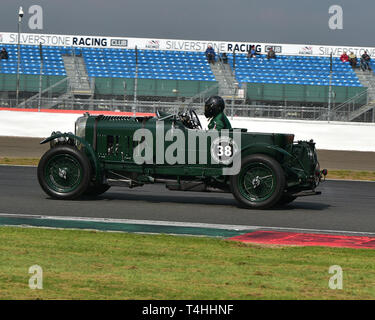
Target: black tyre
<point>285,199</point>
<point>64,172</point>
<point>96,189</point>
<point>260,183</point>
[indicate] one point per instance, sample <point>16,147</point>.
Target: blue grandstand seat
<point>293,70</point>
<point>179,65</point>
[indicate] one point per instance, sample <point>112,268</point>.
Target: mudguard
<point>265,149</point>
<point>89,150</point>
<point>270,150</point>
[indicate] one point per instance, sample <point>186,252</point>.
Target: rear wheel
<point>260,183</point>
<point>64,172</point>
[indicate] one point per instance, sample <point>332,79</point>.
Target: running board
<point>123,183</point>
<point>194,187</point>
<point>187,186</point>
<point>306,193</point>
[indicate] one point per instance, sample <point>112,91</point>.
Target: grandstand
<point>295,70</point>
<point>257,87</point>
<point>115,63</point>
<point>31,61</point>
<point>153,64</point>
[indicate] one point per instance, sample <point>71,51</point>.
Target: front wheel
<point>260,182</point>
<point>95,190</point>
<point>64,172</point>
<point>286,199</point>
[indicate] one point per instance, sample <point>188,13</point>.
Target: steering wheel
<point>194,119</point>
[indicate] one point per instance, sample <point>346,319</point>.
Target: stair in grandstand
<point>367,79</point>
<point>359,105</point>
<point>228,85</point>
<point>78,78</point>
<point>34,100</point>
<point>357,113</point>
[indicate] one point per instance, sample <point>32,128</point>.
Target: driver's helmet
<point>213,106</point>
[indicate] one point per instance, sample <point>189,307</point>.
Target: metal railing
<point>343,111</point>
<point>235,110</point>
<point>36,100</point>
<point>202,96</point>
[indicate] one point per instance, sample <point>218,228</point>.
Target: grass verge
<point>351,175</point>
<point>332,174</point>
<point>20,161</point>
<point>103,265</point>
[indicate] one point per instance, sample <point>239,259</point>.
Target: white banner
<point>178,45</point>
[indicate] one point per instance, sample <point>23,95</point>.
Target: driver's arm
<point>220,122</point>
<point>216,124</point>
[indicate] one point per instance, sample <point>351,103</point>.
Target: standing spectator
<point>210,54</point>
<point>353,60</point>
<point>224,57</point>
<point>344,57</point>
<point>365,62</point>
<point>252,52</point>
<point>271,54</point>
<point>4,54</point>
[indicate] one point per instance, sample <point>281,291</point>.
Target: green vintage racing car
<point>261,170</point>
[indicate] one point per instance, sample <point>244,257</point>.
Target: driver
<point>214,111</point>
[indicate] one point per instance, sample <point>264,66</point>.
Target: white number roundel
<point>222,150</point>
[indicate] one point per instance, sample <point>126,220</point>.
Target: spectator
<point>252,52</point>
<point>210,54</point>
<point>353,60</point>
<point>271,54</point>
<point>344,57</point>
<point>4,54</point>
<point>224,57</point>
<point>365,62</point>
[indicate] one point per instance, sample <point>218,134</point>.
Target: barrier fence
<point>259,101</point>
<point>232,110</point>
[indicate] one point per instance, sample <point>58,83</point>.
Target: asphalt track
<point>343,205</point>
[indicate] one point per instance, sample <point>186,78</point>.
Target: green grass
<point>20,161</point>
<point>351,175</point>
<point>103,265</point>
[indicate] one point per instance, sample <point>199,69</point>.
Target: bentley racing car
<point>261,170</point>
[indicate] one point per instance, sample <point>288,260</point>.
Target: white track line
<point>184,224</point>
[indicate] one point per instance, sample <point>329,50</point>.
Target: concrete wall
<point>328,136</point>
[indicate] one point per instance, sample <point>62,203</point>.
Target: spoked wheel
<point>64,172</point>
<point>260,183</point>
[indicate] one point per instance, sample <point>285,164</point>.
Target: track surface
<point>17,147</point>
<point>343,206</point>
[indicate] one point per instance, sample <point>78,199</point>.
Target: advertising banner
<point>179,45</point>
